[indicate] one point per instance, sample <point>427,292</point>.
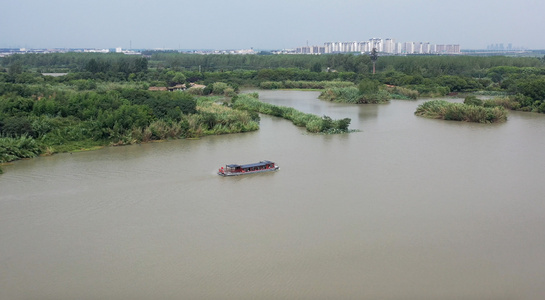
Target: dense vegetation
<point>104,98</point>
<point>311,122</point>
<point>441,109</point>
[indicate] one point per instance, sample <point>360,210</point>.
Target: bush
<point>505,102</point>
<point>218,88</point>
<point>430,90</point>
<point>381,96</point>
<point>342,95</point>
<point>16,126</point>
<point>14,148</point>
<point>368,86</point>
<point>398,92</point>
<point>219,119</point>
<point>84,84</point>
<point>354,95</point>
<point>271,85</point>
<point>472,100</point>
<point>195,91</point>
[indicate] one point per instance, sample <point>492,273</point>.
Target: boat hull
<point>225,174</point>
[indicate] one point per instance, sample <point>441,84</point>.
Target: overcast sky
<point>270,24</point>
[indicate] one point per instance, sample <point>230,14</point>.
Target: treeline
<point>429,76</point>
<point>98,116</point>
<point>76,62</point>
<point>411,65</point>
<point>473,66</point>
<point>38,119</point>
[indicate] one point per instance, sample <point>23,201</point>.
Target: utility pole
<point>374,57</point>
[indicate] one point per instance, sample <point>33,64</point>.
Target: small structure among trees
<point>374,58</point>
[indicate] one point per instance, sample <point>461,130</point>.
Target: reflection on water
<point>406,208</point>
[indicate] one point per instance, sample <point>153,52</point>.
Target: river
<point>407,208</point>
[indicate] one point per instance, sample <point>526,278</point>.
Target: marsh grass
<point>353,95</point>
<point>311,122</point>
<point>505,102</point>
<point>342,95</point>
<point>441,109</point>
<point>221,119</point>
<point>403,93</point>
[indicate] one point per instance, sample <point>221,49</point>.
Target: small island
<point>442,109</point>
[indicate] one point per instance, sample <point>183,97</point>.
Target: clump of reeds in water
<point>441,109</point>
<point>311,122</point>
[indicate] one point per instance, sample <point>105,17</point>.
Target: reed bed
<point>441,109</point>
<point>352,95</point>
<point>221,119</point>
<point>311,122</point>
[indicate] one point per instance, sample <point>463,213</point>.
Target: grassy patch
<point>354,96</point>
<point>441,109</point>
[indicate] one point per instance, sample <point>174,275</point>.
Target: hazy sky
<point>271,24</point>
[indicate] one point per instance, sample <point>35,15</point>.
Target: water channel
<point>407,208</point>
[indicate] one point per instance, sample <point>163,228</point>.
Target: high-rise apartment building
<point>389,46</point>
<point>376,43</point>
<point>408,48</point>
<point>383,46</point>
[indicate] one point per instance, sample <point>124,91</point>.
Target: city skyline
<point>282,24</point>
<point>388,45</point>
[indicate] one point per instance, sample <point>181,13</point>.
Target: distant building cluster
<point>9,51</point>
<point>504,48</point>
<point>389,46</point>
<point>238,51</point>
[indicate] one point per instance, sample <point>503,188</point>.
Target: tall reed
<point>311,122</point>
<point>441,109</point>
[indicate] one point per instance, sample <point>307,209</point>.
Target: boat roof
<point>261,163</point>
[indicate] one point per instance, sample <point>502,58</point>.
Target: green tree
<point>316,67</point>
<point>92,66</point>
<point>368,86</point>
<point>472,100</point>
<point>534,89</point>
<point>178,78</point>
<point>16,126</point>
<point>15,68</point>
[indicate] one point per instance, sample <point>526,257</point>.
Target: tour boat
<point>260,167</point>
